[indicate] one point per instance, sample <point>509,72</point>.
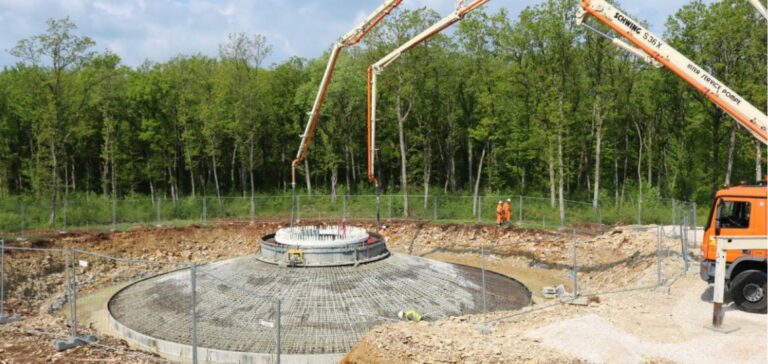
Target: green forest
<point>532,104</point>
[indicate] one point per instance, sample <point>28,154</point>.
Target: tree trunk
<point>552,192</point>
<point>427,170</point>
<point>152,193</point>
<point>54,182</point>
<point>731,148</point>
<point>476,192</point>
<point>334,179</point>
<point>649,152</point>
<point>347,168</point>
<point>251,165</point>
<point>598,151</point>
<point>639,174</point>
<point>215,173</point>
<point>232,171</point>
<point>561,171</point>
<point>616,180</point>
<point>401,117</point>
<point>403,167</point>
<point>470,159</point>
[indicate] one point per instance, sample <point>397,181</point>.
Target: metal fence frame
<point>530,210</point>
<point>75,338</point>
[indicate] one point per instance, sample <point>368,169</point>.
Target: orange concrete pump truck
<point>733,252</point>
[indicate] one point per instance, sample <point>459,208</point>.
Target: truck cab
<point>739,211</point>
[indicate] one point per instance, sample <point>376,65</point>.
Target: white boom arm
<point>349,39</point>
<point>377,68</point>
<point>754,120</point>
<point>760,8</point>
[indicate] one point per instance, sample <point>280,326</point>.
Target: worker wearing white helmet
<point>499,213</point>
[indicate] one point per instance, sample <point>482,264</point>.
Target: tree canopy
<point>533,105</point>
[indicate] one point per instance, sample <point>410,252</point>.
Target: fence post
<point>253,209</point>
<point>600,215</point>
<point>3,318</point>
<point>434,208</point>
<point>298,207</point>
<point>695,232</point>
<point>157,211</point>
<point>520,215</point>
<point>684,241</point>
<point>659,230</point>
<point>73,296</point>
<point>484,329</point>
<point>277,324</point>
<point>2,278</point>
<point>390,207</point>
<point>344,208</point>
<point>575,268</point>
<point>193,284</point>
<point>64,215</point>
<point>23,220</point>
<point>114,214</point>
<point>479,209</point>
<point>205,211</point>
<point>674,211</point>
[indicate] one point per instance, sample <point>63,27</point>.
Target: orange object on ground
<point>507,211</point>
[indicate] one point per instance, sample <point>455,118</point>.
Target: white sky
<point>160,29</point>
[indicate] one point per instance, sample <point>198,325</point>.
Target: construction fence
<point>71,295</point>
<point>19,215</point>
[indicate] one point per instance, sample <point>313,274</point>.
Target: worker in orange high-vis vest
<point>508,210</point>
<point>499,214</point>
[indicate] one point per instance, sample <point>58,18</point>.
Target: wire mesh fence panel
<point>11,212</point>
<point>622,260</point>
<point>453,208</point>
<point>272,206</point>
<point>364,207</point>
<point>35,289</point>
<point>36,214</point>
<point>318,206</point>
<point>539,212</point>
<point>229,207</point>
<point>190,209</point>
<point>420,208</point>
<point>123,299</point>
<point>106,307</point>
<point>581,215</point>
<point>676,258</point>
<point>232,319</point>
<point>139,211</point>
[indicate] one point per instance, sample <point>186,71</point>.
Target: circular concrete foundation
<point>323,312</point>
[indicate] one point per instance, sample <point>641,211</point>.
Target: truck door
<point>737,216</point>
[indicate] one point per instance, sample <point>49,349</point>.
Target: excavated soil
<point>615,261</point>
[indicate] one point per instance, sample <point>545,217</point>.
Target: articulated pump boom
<point>650,45</point>
<point>350,39</point>
<point>377,68</point>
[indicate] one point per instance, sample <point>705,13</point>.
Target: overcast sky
<point>160,29</point>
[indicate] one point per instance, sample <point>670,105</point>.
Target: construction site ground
<point>626,321</point>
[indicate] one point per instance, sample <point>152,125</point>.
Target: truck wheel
<point>749,290</point>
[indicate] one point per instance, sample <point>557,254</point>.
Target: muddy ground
<point>615,261</point>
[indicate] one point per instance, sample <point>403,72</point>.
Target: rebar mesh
<point>324,310</point>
